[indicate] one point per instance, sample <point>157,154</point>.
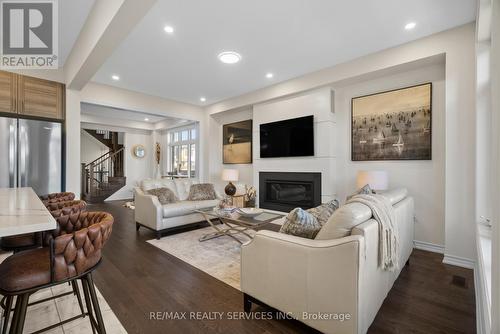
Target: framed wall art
<point>392,125</point>
<point>237,142</point>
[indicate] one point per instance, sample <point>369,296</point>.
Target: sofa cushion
<point>183,186</point>
<point>344,220</point>
<point>395,195</point>
<point>181,208</point>
<point>202,191</point>
<point>323,212</point>
<point>301,223</point>
<point>206,204</point>
<point>149,184</point>
<point>165,195</point>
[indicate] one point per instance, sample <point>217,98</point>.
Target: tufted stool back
<point>64,208</point>
<point>57,197</point>
<point>59,210</point>
<point>75,253</point>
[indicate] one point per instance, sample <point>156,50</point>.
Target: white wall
<point>424,179</point>
<point>135,169</point>
<point>125,99</point>
<point>215,160</point>
<point>318,104</point>
<point>73,167</point>
<point>91,148</point>
<point>458,47</point>
<point>495,86</point>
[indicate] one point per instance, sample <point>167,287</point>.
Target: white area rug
<point>52,311</point>
<point>219,257</point>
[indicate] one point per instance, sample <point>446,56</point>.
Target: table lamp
<point>230,175</point>
<point>377,180</point>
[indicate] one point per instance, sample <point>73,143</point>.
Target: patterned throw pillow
<point>165,195</point>
<point>202,192</point>
<point>301,223</point>
<point>323,212</point>
<point>364,190</point>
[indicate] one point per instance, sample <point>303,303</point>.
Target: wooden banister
<point>96,174</point>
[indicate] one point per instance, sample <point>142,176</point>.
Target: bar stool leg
<point>17,324</point>
<point>88,303</point>
<point>23,301</point>
<point>76,291</point>
<point>15,315</point>
<point>90,282</point>
<point>6,313</point>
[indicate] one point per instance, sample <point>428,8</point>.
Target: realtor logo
<point>29,34</point>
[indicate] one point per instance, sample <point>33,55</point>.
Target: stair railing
<point>96,174</point>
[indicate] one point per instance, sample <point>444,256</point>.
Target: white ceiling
<point>286,37</point>
<point>72,15</point>
<point>122,114</point>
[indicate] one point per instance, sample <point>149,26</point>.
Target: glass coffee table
<point>234,223</point>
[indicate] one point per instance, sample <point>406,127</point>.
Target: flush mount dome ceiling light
<point>115,77</point>
<point>169,29</point>
<point>410,25</point>
<point>229,57</point>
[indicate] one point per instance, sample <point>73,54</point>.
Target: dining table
<point>22,211</point>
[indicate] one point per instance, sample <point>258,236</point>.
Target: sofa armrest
<point>298,275</point>
<point>148,210</point>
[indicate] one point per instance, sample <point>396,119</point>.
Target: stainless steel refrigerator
<point>31,155</point>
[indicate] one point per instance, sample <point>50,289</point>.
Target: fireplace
<point>284,191</point>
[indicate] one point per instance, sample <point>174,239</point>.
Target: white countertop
<point>21,211</point>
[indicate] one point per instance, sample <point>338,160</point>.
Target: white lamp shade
<point>230,175</point>
<point>377,180</point>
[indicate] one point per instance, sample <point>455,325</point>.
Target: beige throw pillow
<point>202,192</point>
<point>323,212</point>
<point>165,195</point>
<point>301,223</point>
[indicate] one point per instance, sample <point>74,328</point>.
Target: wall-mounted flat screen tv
<point>289,138</point>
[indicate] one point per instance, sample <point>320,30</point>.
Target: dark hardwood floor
<point>137,279</point>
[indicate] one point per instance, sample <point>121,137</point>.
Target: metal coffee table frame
<point>232,224</point>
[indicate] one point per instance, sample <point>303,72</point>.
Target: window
<point>182,143</point>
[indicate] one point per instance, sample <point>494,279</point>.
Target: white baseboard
<point>427,246</point>
<point>459,261</point>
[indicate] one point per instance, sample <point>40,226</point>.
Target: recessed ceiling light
<point>203,99</point>
<point>229,57</point>
<point>115,77</point>
<point>269,75</point>
<point>169,29</point>
<point>410,25</point>
<point>146,119</point>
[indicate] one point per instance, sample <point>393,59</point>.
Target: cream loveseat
<point>151,214</point>
<point>329,280</point>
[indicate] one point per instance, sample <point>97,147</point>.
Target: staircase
<point>104,176</point>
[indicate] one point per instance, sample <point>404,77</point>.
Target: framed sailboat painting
<point>392,125</point>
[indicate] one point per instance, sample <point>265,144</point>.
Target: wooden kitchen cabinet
<point>30,96</point>
<point>8,92</point>
<point>40,98</point>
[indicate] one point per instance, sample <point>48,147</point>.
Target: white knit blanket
<point>383,213</point>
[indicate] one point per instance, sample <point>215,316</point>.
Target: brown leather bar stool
<point>57,197</point>
<point>58,210</point>
<point>70,257</point>
<point>25,241</point>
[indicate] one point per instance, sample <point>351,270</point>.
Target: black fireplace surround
<point>285,191</point>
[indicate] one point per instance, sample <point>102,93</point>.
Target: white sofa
<point>331,278</point>
<point>151,214</point>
